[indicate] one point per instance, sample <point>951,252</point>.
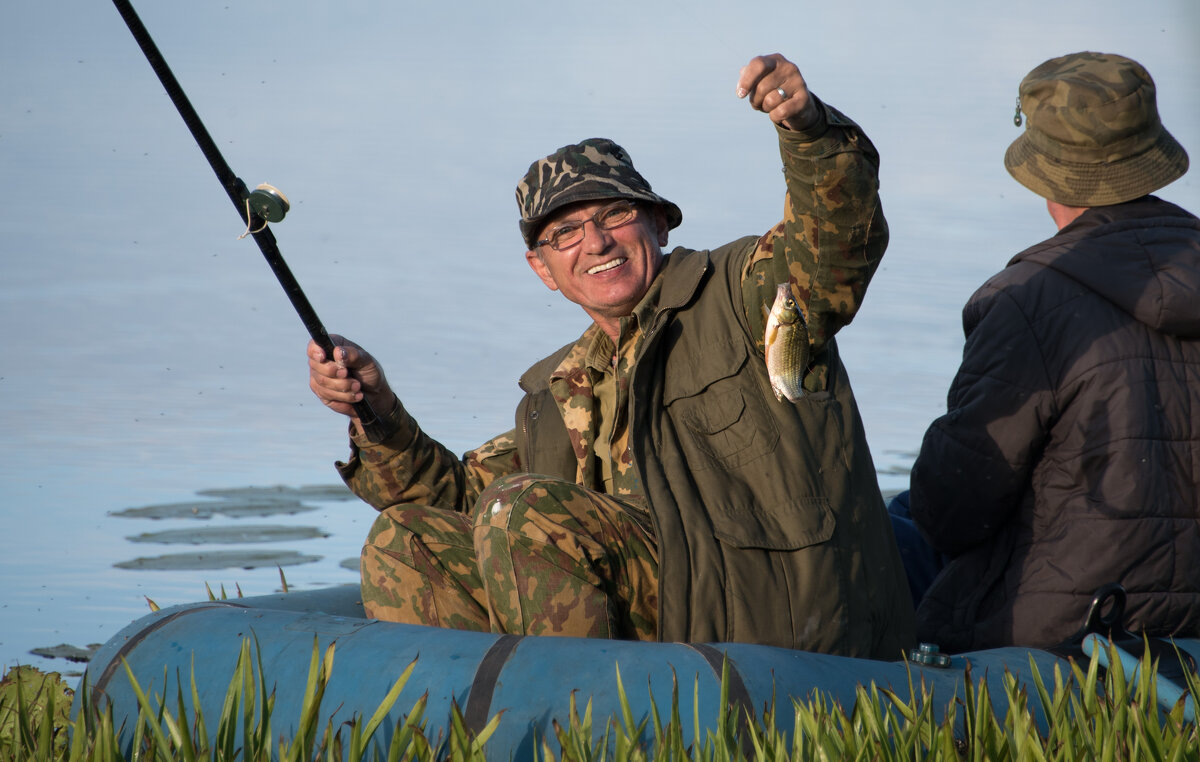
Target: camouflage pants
<point>539,556</point>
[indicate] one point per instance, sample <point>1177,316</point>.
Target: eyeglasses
<point>608,217</point>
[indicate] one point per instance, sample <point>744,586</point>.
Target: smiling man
<point>653,487</point>
<point>608,267</point>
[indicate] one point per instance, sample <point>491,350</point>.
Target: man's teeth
<point>606,266</point>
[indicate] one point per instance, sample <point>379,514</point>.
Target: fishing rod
<point>258,207</point>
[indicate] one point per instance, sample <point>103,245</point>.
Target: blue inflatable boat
<point>527,680</point>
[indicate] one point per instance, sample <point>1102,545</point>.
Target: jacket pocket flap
<point>797,524</point>
<point>709,365</point>
<point>721,412</point>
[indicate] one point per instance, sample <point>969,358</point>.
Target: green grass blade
<point>381,712</point>
<point>153,727</point>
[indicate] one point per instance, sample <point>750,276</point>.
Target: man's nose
<point>595,238</point>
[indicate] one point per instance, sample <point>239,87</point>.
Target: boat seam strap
<point>479,699</point>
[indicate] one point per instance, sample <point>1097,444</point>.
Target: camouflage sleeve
<point>833,233</point>
<point>409,466</point>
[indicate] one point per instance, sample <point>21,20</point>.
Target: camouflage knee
<point>558,559</point>
<point>418,567</point>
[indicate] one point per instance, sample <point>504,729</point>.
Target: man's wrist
<point>392,423</point>
<point>814,125</point>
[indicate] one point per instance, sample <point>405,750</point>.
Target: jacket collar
<point>682,272</point>
<point>1143,256</point>
<point>1145,207</point>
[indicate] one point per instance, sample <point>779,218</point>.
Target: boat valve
<point>929,654</point>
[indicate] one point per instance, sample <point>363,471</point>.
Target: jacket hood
<point>1143,256</point>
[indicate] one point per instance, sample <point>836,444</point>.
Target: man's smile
<point>610,264</point>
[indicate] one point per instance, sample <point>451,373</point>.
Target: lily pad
<point>309,492</point>
<point>230,535</point>
<point>206,509</point>
<point>219,559</point>
<point>351,563</point>
<point>68,652</point>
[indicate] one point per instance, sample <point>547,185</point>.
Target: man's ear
<point>539,267</point>
<point>661,224</point>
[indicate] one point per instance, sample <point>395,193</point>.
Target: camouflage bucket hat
<point>592,170</point>
<point>1093,136</point>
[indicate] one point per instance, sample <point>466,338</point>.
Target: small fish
<point>786,340</point>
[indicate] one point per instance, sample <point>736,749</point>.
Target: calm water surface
<point>150,358</point>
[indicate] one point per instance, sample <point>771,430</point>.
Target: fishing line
<point>259,229</point>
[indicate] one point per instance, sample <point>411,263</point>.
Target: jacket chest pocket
<point>721,420</point>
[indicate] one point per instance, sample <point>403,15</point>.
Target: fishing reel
<point>268,202</point>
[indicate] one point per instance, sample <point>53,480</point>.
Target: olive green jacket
<point>770,524</point>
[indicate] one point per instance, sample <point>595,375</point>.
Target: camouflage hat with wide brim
<point>591,170</point>
<point>1093,135</point>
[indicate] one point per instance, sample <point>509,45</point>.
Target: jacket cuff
<point>400,429</point>
<point>814,131</point>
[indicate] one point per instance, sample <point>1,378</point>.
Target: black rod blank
<point>238,194</point>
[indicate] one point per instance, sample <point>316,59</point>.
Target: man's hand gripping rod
<point>272,205</point>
